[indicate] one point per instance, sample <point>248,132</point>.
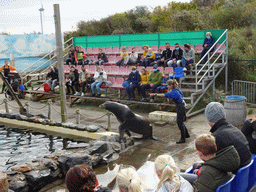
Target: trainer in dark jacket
<point>225,133</point>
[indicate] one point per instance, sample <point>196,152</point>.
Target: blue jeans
<point>186,62</point>
<point>161,88</point>
<point>143,89</point>
<point>96,85</point>
<point>130,90</point>
<point>204,52</point>
<point>146,62</point>
<point>153,89</point>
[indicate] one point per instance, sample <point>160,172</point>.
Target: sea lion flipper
<point>128,133</point>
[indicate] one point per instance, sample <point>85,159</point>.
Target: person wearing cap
<point>154,81</point>
<point>249,130</point>
<point>225,133</point>
<point>81,178</point>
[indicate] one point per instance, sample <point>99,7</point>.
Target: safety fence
<point>245,88</point>
<point>51,107</point>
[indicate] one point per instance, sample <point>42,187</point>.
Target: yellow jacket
<point>144,78</point>
<point>8,66</point>
<point>123,55</point>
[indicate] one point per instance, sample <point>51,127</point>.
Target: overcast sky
<point>23,16</point>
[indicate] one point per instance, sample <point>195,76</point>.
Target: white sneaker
<point>82,95</point>
<point>77,94</point>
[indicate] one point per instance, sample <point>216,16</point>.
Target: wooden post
<point>78,117</point>
<point>59,47</point>
<point>27,107</point>
<point>6,105</point>
<point>49,110</point>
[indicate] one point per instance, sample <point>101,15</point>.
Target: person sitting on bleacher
<point>177,55</point>
<point>132,59</point>
<point>81,79</point>
<point>54,74</point>
<point>70,81</point>
<point>123,55</point>
<point>87,83</point>
<point>163,87</point>
<point>71,56</point>
<point>102,58</point>
<point>100,77</point>
<point>150,57</point>
<point>188,56</point>
<point>158,59</point>
<point>145,51</point>
<point>249,130</point>
<point>225,133</point>
<point>80,56</point>
<point>166,55</point>
<point>144,77</point>
<point>154,81</point>
<point>208,43</point>
<point>133,80</point>
<point>217,165</point>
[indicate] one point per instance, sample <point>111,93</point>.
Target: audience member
<point>144,55</point>
<point>166,171</point>
<point>100,77</point>
<point>176,94</point>
<point>81,178</point>
<point>54,77</point>
<point>128,180</point>
<point>249,130</point>
<point>163,87</point>
<point>154,81</point>
<point>132,59</point>
<point>87,83</point>
<point>214,170</point>
<point>80,56</point>
<point>6,69</point>
<point>71,56</point>
<point>102,58</point>
<point>225,133</point>
<point>72,80</point>
<point>208,43</point>
<point>177,54</point>
<point>123,55</point>
<point>188,55</point>
<point>150,57</point>
<point>133,80</point>
<point>158,59</point>
<point>81,79</point>
<point>144,77</point>
<point>166,55</point>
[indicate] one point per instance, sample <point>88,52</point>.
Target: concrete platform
<point>168,117</point>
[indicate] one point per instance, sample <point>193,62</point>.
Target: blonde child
<point>123,55</point>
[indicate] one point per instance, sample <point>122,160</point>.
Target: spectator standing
<point>188,55</point>
<point>144,77</point>
<point>225,133</point>
<point>163,87</point>
<point>208,43</point>
<point>177,55</point>
<point>80,56</point>
<point>102,58</point>
<point>154,81</point>
<point>132,59</point>
<point>71,56</point>
<point>249,130</point>
<point>166,55</point>
<point>54,77</point>
<point>166,171</point>
<point>217,165</point>
<point>100,77</point>
<point>79,82</point>
<point>133,80</point>
<point>6,69</point>
<point>123,55</point>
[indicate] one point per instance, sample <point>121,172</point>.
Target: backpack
<point>125,83</point>
<point>47,87</point>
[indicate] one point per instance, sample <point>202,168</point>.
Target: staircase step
<point>186,83</point>
<point>187,98</point>
<point>191,90</point>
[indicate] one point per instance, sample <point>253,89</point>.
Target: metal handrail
<point>246,88</point>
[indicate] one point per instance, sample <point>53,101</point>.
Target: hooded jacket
<point>98,78</point>
<point>227,135</point>
<point>134,78</point>
<point>155,78</point>
<point>144,78</point>
<point>214,172</point>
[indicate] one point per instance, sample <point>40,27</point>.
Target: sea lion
<point>129,120</point>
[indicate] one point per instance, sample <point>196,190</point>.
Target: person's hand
<point>174,59</point>
<point>206,45</point>
<point>163,83</point>
<point>99,59</point>
<point>162,60</point>
<point>130,83</point>
<point>155,62</point>
<point>89,85</point>
<point>80,82</point>
<point>187,59</point>
<point>151,84</point>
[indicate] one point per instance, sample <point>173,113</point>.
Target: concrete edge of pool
<point>54,130</point>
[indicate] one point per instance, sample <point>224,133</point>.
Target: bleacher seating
<point>129,49</point>
<point>198,49</point>
<point>178,73</point>
<point>116,50</point>
<point>89,50</point>
<point>226,187</point>
<point>95,50</point>
<point>108,50</point>
<point>220,49</point>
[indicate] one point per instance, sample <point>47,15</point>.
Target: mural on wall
<point>28,45</point>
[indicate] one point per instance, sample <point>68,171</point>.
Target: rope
<point>93,119</point>
<point>56,110</point>
<point>13,106</point>
<point>37,108</point>
<point>2,103</point>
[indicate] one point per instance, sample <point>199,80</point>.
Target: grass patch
<point>250,111</point>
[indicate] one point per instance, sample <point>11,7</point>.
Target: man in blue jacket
<point>208,43</point>
<point>133,80</point>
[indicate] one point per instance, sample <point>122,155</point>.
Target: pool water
<point>22,63</point>
<point>18,147</point>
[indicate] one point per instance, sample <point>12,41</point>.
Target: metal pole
<point>27,106</point>
<point>41,22</point>
<point>49,110</point>
<point>226,70</point>
<point>60,62</point>
<point>6,105</point>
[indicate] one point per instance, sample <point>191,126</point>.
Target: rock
<point>39,178</point>
<point>42,116</point>
<point>4,182</point>
<point>38,120</point>
<point>4,114</point>
<point>10,115</point>
<point>52,123</point>
<point>58,123</point>
<point>98,147</point>
<point>66,124</point>
<point>66,162</point>
<point>93,128</point>
<point>46,122</point>
<point>96,160</point>
<point>72,126</point>
<point>81,127</point>
<point>9,190</point>
<point>168,117</point>
<point>21,117</point>
<point>77,145</point>
<point>22,168</point>
<point>51,165</point>
<point>31,119</point>
<point>18,183</point>
<point>104,138</point>
<point>108,155</point>
<point>11,172</point>
<point>116,147</point>
<point>101,130</point>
